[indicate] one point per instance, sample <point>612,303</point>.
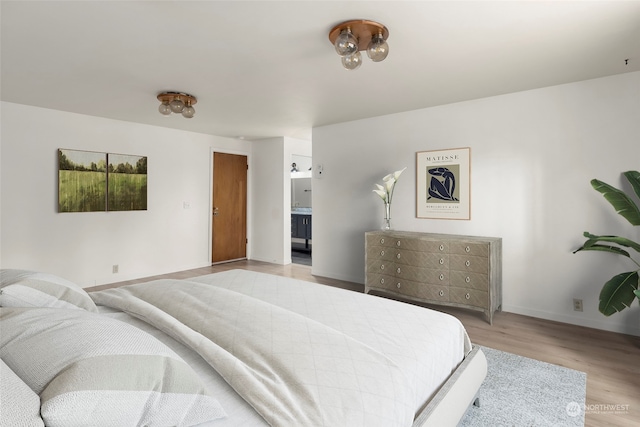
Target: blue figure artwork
<point>442,184</point>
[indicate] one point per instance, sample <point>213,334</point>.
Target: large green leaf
<point>622,241</point>
<point>619,200</point>
<point>618,293</point>
<point>634,179</point>
<point>603,248</point>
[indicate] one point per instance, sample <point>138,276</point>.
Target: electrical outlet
<point>115,269</point>
<point>577,304</point>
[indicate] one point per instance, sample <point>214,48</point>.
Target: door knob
<point>215,211</point>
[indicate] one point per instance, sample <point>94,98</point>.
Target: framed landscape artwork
<point>127,183</point>
<point>82,181</point>
<point>443,184</point>
<point>92,181</point>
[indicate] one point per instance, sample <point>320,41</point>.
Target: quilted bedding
<point>302,353</point>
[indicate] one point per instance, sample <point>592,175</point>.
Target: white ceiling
<point>266,68</point>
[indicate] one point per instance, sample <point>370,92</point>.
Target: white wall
<point>83,246</point>
<point>532,156</point>
<point>271,179</point>
<point>268,178</point>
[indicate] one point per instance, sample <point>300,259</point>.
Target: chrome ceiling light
<point>350,37</point>
<point>177,102</point>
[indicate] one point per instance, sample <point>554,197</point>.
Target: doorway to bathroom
<point>301,210</point>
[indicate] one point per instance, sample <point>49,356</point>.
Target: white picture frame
<point>443,184</point>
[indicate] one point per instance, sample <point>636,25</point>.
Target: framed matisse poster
<point>443,184</point>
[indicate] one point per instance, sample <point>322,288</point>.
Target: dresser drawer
<point>422,259</point>
<point>419,245</point>
<point>469,297</point>
<point>384,281</point>
<point>381,253</point>
<point>408,288</point>
<point>402,242</point>
<point>381,266</point>
<point>421,290</point>
<point>465,279</point>
<point>375,240</point>
<point>469,263</point>
<point>425,275</point>
<point>469,248</point>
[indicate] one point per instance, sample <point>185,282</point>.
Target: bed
<point>236,348</point>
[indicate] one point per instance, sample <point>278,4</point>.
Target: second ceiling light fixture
<point>350,37</point>
<point>178,103</point>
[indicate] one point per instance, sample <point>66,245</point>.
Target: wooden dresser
<point>444,269</point>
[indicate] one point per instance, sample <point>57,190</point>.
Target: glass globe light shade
<point>346,43</point>
<point>164,109</point>
<point>352,62</point>
<point>378,48</point>
<point>188,111</point>
<point>176,106</point>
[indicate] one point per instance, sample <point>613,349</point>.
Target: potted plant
<point>619,292</point>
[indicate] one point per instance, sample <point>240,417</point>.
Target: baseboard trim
<point>604,325</point>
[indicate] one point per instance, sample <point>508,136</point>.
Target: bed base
<point>459,392</point>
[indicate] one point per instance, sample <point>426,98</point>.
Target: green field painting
<point>127,183</point>
<point>82,181</point>
<point>127,192</point>
<point>90,181</point>
<point>82,191</point>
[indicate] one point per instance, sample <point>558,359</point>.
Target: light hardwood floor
<point>611,361</point>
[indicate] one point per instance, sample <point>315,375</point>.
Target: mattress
<point>427,346</point>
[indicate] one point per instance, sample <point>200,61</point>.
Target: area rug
<point>519,391</point>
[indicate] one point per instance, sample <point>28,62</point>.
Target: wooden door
<point>229,230</point>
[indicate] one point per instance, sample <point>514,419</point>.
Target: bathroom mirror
<point>301,181</point>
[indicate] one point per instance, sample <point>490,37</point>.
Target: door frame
<point>212,151</point>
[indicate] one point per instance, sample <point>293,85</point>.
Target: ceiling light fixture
<point>177,102</point>
<point>350,37</point>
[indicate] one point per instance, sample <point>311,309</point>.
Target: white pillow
<point>90,369</point>
<point>20,405</point>
<point>24,288</point>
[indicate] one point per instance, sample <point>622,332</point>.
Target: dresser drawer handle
<point>382,241</point>
<point>398,256</point>
<point>468,263</point>
<point>441,293</point>
<point>382,267</point>
<point>442,247</point>
<point>398,270</point>
<point>467,296</point>
<point>467,249</point>
<point>441,276</point>
<point>441,261</point>
<point>398,285</point>
<point>398,243</point>
<point>467,279</point>
<point>381,253</point>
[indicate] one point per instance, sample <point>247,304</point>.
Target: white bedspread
<point>424,344</point>
<point>427,345</point>
<point>293,370</point>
